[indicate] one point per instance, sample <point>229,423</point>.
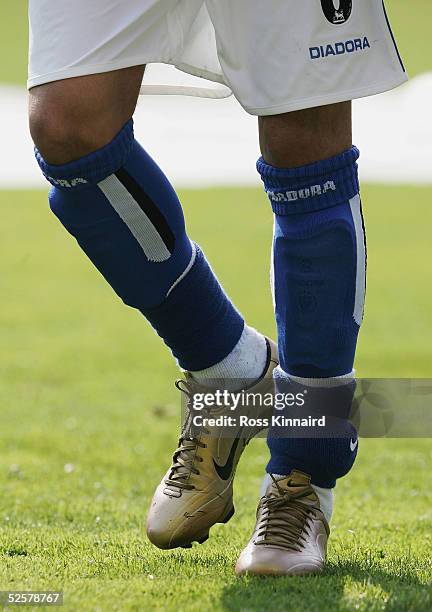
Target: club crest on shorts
<point>337,11</point>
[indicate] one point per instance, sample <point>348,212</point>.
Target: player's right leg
<point>114,199</point>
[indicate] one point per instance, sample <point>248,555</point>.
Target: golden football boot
<point>291,532</point>
<point>197,491</point>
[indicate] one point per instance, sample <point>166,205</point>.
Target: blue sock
<point>127,218</point>
<point>319,286</point>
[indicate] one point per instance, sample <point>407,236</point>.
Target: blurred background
<point>89,412</point>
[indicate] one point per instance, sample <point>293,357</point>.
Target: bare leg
<point>307,136</point>
<point>74,117</point>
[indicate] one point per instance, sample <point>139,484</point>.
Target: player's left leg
<point>309,171</point>
<point>295,65</point>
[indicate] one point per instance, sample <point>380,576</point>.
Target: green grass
<point>410,21</point>
<point>84,383</point>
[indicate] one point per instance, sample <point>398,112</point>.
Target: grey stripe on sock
<point>186,272</point>
<point>135,218</point>
<point>355,205</point>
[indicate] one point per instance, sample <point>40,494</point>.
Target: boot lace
<point>184,458</point>
<point>285,519</point>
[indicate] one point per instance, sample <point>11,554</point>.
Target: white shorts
<point>275,55</point>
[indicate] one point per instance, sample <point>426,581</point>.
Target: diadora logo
<point>302,194</point>
<point>67,183</point>
<point>339,48</point>
<point>339,13</point>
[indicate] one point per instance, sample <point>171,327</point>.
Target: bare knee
<point>306,136</point>
<point>74,117</point>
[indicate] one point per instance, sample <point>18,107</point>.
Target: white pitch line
<point>214,142</point>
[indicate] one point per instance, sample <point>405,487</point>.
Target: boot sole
<point>206,536</point>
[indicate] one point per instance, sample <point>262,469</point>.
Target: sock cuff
<point>244,364</point>
<point>315,383</point>
<point>92,168</point>
<point>312,187</point>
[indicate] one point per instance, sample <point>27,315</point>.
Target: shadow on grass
<point>376,590</point>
